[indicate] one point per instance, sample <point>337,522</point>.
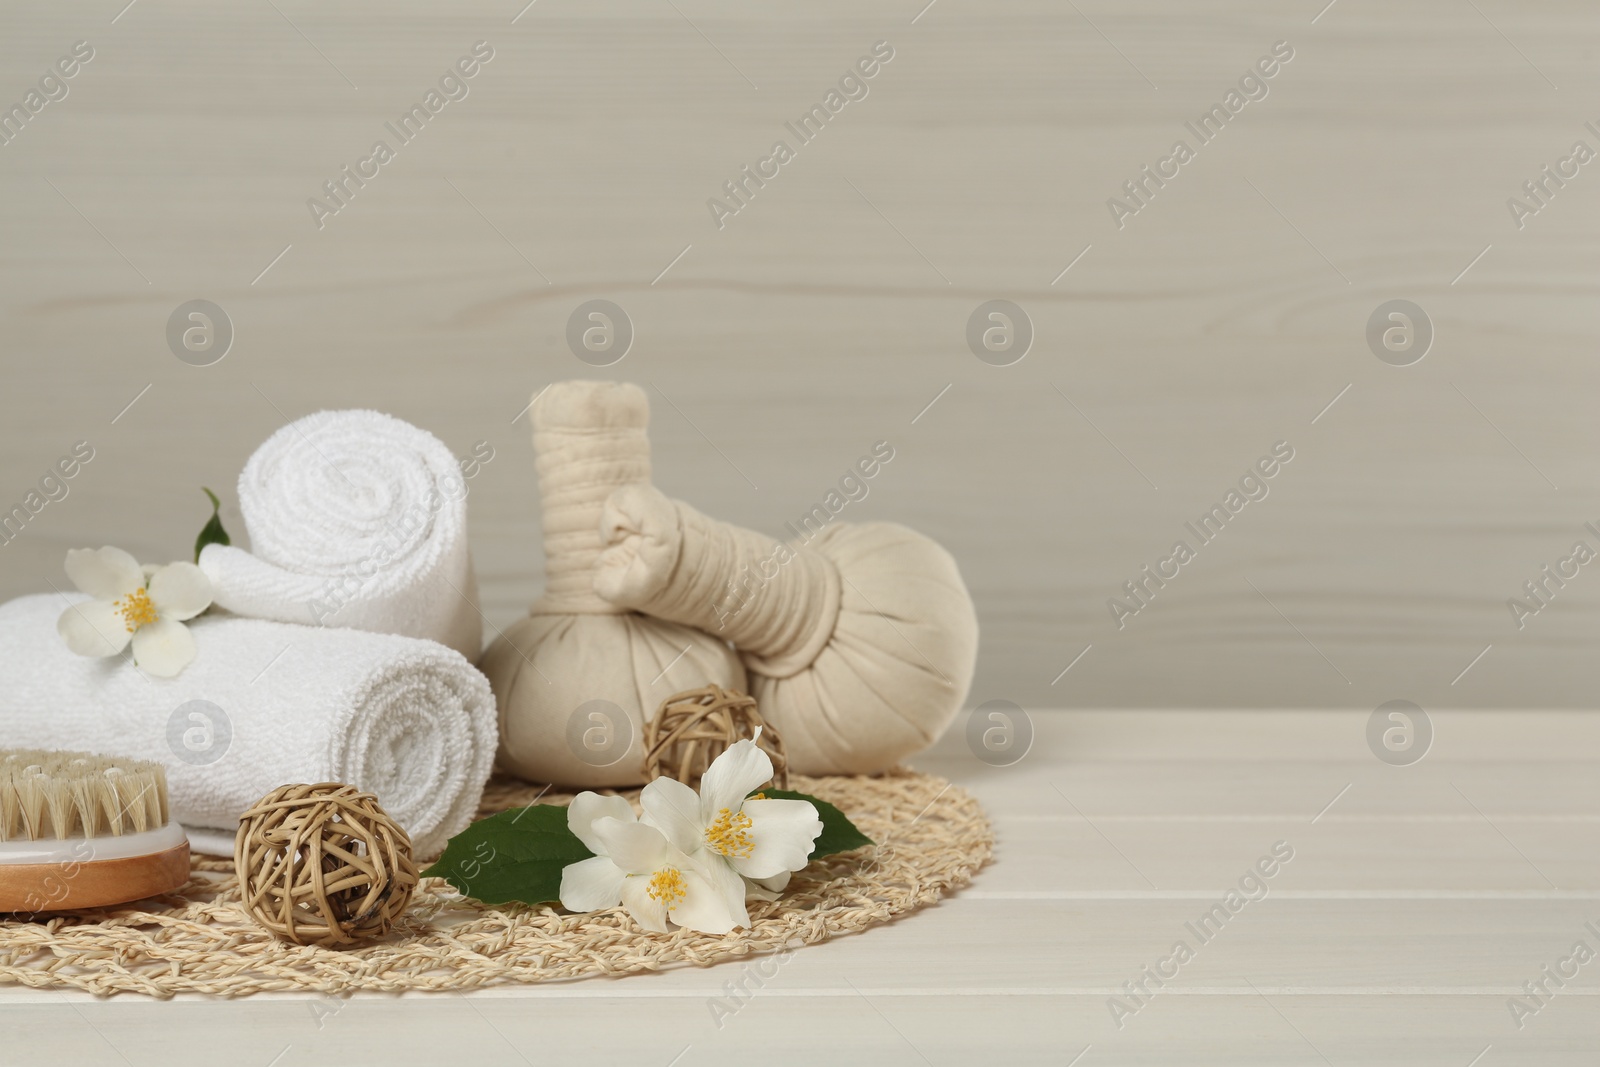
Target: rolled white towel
<point>355,519</point>
<point>406,719</point>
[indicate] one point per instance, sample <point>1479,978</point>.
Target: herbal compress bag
<point>576,651</point>
<point>859,643</point>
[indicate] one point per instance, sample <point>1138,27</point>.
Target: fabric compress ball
<point>860,644</point>
<point>577,679</point>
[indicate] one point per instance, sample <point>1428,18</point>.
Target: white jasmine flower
<point>759,839</point>
<point>636,866</point>
<point>144,606</point>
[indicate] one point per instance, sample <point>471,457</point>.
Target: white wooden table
<point>1418,901</point>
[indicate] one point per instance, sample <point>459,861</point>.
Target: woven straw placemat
<point>931,836</point>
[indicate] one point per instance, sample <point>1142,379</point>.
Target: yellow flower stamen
<point>730,835</point>
<point>136,609</point>
<point>666,885</point>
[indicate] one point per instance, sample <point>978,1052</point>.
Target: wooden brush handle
<point>50,887</point>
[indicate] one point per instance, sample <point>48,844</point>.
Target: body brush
<point>85,831</point>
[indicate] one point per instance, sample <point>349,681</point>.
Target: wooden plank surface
<point>1397,933</point>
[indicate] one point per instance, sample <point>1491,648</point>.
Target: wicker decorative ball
<point>696,726</point>
<point>323,865</point>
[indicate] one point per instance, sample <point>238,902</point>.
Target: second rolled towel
<point>356,519</point>
<point>264,704</point>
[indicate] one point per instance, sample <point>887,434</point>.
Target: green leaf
<point>516,855</point>
<point>839,834</point>
<point>213,534</point>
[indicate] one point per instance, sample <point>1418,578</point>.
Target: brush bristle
<point>47,794</point>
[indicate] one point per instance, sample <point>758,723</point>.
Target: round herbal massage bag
<point>577,679</point>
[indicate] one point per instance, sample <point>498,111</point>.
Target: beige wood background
<point>1222,318</point>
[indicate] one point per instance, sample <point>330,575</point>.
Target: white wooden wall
<point>1225,316</point>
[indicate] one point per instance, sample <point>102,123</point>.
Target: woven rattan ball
<point>323,865</point>
<point>694,727</point>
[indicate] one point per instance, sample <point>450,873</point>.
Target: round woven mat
<point>931,837</point>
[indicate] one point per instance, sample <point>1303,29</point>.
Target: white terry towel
<point>355,519</point>
<point>406,719</point>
